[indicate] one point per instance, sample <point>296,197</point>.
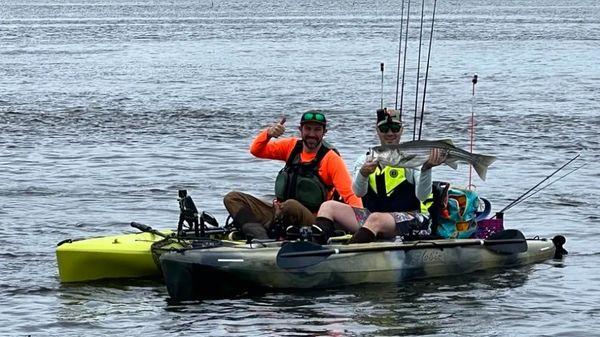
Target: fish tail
<point>481,163</point>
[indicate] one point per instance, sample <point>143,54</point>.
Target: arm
<point>264,147</point>
<point>360,183</point>
<point>423,183</point>
<point>334,171</point>
<point>423,178</point>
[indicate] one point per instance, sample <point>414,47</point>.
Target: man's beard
<point>312,145</point>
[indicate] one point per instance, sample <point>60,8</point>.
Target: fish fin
<point>452,163</point>
<point>405,160</point>
<point>447,141</point>
<point>481,163</point>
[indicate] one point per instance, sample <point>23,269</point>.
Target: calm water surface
<point>108,107</point>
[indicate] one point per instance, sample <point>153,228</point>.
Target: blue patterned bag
<point>457,216</point>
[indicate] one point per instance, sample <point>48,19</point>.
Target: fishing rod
<point>534,187</point>
<point>472,136</point>
<point>418,70</point>
<point>381,67</point>
<point>404,61</point>
<point>547,185</point>
<point>427,69</point>
<point>399,58</point>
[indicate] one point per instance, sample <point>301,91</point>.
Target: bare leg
<point>382,225</point>
<point>341,214</point>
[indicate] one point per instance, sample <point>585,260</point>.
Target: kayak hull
<point>192,274</point>
<point>118,256</point>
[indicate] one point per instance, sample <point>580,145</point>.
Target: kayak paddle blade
<point>504,244</point>
<point>299,254</point>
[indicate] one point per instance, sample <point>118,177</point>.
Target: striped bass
<point>414,154</point>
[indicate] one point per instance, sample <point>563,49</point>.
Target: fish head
<point>387,156</point>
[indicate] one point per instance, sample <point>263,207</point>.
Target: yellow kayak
<point>132,255</point>
<point>118,256</point>
<point>136,254</point>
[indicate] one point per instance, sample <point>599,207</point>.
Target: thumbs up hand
<point>278,129</point>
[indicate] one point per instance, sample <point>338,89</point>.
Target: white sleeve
<point>360,183</point>
<point>423,186</point>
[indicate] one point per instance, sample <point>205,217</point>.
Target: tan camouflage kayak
<point>198,273</point>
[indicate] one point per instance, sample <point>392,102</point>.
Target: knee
<point>290,205</point>
<point>229,197</point>
<point>294,213</point>
<point>327,209</point>
<point>234,201</point>
<point>376,221</point>
<point>293,208</point>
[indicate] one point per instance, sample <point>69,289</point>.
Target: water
<point>108,107</point>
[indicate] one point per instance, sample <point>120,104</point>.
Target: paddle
<point>148,229</point>
<point>305,254</point>
<point>518,245</point>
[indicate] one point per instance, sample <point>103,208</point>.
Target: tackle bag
<point>456,216</point>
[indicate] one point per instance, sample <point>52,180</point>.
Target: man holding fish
<point>396,195</point>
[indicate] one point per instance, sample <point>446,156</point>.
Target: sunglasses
<point>395,127</point>
<point>313,116</point>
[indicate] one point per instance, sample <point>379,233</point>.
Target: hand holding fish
<point>368,167</point>
<point>277,130</point>
<point>436,157</point>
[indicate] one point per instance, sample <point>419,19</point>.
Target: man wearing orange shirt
<point>313,173</point>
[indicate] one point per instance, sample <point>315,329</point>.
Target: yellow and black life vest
<point>389,191</point>
<point>301,181</point>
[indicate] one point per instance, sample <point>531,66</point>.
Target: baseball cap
<point>313,116</point>
<point>386,115</point>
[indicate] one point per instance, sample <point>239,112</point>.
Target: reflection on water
<point>418,307</point>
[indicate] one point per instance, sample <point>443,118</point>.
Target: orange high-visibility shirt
<point>332,169</point>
